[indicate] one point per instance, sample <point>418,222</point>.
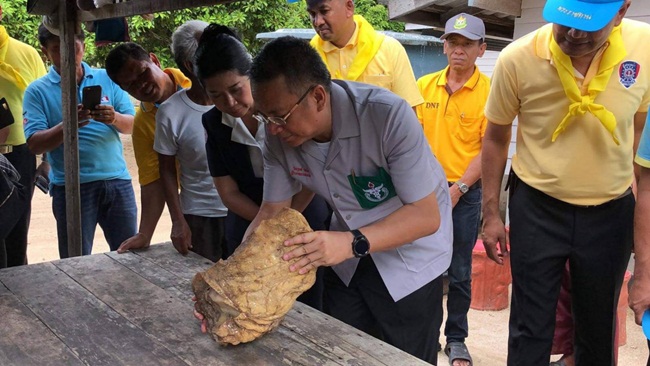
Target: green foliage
<point>19,24</point>
<point>248,17</point>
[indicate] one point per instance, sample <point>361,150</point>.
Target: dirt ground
<point>488,329</point>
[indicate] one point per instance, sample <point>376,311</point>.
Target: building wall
<point>487,62</point>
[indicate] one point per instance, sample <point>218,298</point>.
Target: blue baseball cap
<point>584,15</point>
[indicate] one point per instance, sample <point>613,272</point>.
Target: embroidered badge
<point>373,190</point>
<point>461,22</point>
<point>376,194</point>
<point>105,99</point>
<point>628,72</point>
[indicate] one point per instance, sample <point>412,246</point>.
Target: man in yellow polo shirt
<point>20,64</point>
<point>353,50</point>
<point>139,73</point>
<point>580,88</point>
<point>454,124</point>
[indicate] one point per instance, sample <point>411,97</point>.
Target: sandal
<point>457,351</point>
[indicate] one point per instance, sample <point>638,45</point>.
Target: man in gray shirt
<point>362,149</point>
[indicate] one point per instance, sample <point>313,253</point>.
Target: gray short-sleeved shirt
<point>372,129</point>
<point>179,133</point>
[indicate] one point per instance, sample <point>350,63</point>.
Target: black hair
<point>45,36</point>
<point>293,58</point>
<point>220,50</point>
<point>121,54</point>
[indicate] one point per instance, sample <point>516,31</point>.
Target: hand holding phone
<point>91,96</point>
<point>41,183</point>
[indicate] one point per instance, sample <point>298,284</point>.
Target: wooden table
<point>136,309</point>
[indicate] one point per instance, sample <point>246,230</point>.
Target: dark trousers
<point>208,236</point>
<point>411,324</point>
<point>16,240</point>
<point>544,234</point>
<point>10,213</point>
<point>466,217</point>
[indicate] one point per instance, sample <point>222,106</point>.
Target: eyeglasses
<point>281,121</point>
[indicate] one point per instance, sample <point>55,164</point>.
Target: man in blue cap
<point>580,89</point>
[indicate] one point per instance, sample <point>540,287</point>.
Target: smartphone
<point>42,184</point>
<point>91,96</point>
<point>6,118</point>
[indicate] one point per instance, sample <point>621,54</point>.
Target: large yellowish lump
<point>248,295</point>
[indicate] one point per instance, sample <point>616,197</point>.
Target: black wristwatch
<point>360,244</point>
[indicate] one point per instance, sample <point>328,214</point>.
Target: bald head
<point>332,20</point>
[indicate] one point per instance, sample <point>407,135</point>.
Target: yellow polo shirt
<point>583,166</point>
<point>144,129</point>
<point>390,68</point>
<point>453,124</point>
<point>27,62</point>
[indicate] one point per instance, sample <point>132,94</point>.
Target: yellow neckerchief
<point>581,104</point>
<point>368,43</point>
<point>6,71</point>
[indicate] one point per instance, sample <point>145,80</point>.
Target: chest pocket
<point>384,81</point>
<point>468,129</point>
<point>371,191</point>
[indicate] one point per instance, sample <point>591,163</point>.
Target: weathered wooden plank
<point>184,266</point>
<point>94,332</point>
<point>154,273</point>
<point>136,7</point>
<point>339,338</point>
<point>3,289</point>
<point>298,326</point>
<point>129,8</point>
<point>170,320</point>
<point>25,340</point>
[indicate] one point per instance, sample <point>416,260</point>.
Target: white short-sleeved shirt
<point>372,129</point>
<point>179,133</point>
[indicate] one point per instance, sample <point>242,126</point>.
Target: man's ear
<point>621,12</point>
<point>349,8</point>
<point>321,96</point>
<point>154,59</point>
<point>482,49</point>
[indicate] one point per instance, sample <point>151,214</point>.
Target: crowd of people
<point>396,176</point>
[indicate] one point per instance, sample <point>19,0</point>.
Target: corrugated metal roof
<point>498,16</point>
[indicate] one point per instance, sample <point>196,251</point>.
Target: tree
<point>248,17</point>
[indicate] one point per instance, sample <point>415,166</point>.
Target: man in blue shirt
<point>106,192</point>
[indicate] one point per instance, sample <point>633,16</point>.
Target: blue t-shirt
<point>100,147</point>
<point>643,152</point>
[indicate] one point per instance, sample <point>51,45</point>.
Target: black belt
<point>476,185</point>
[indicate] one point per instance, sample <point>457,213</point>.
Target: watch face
<point>361,246</point>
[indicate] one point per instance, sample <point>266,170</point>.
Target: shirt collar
<point>470,84</point>
<point>343,112</point>
<point>240,132</point>
<point>54,77</point>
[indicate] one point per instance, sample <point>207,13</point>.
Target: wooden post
<point>67,25</point>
